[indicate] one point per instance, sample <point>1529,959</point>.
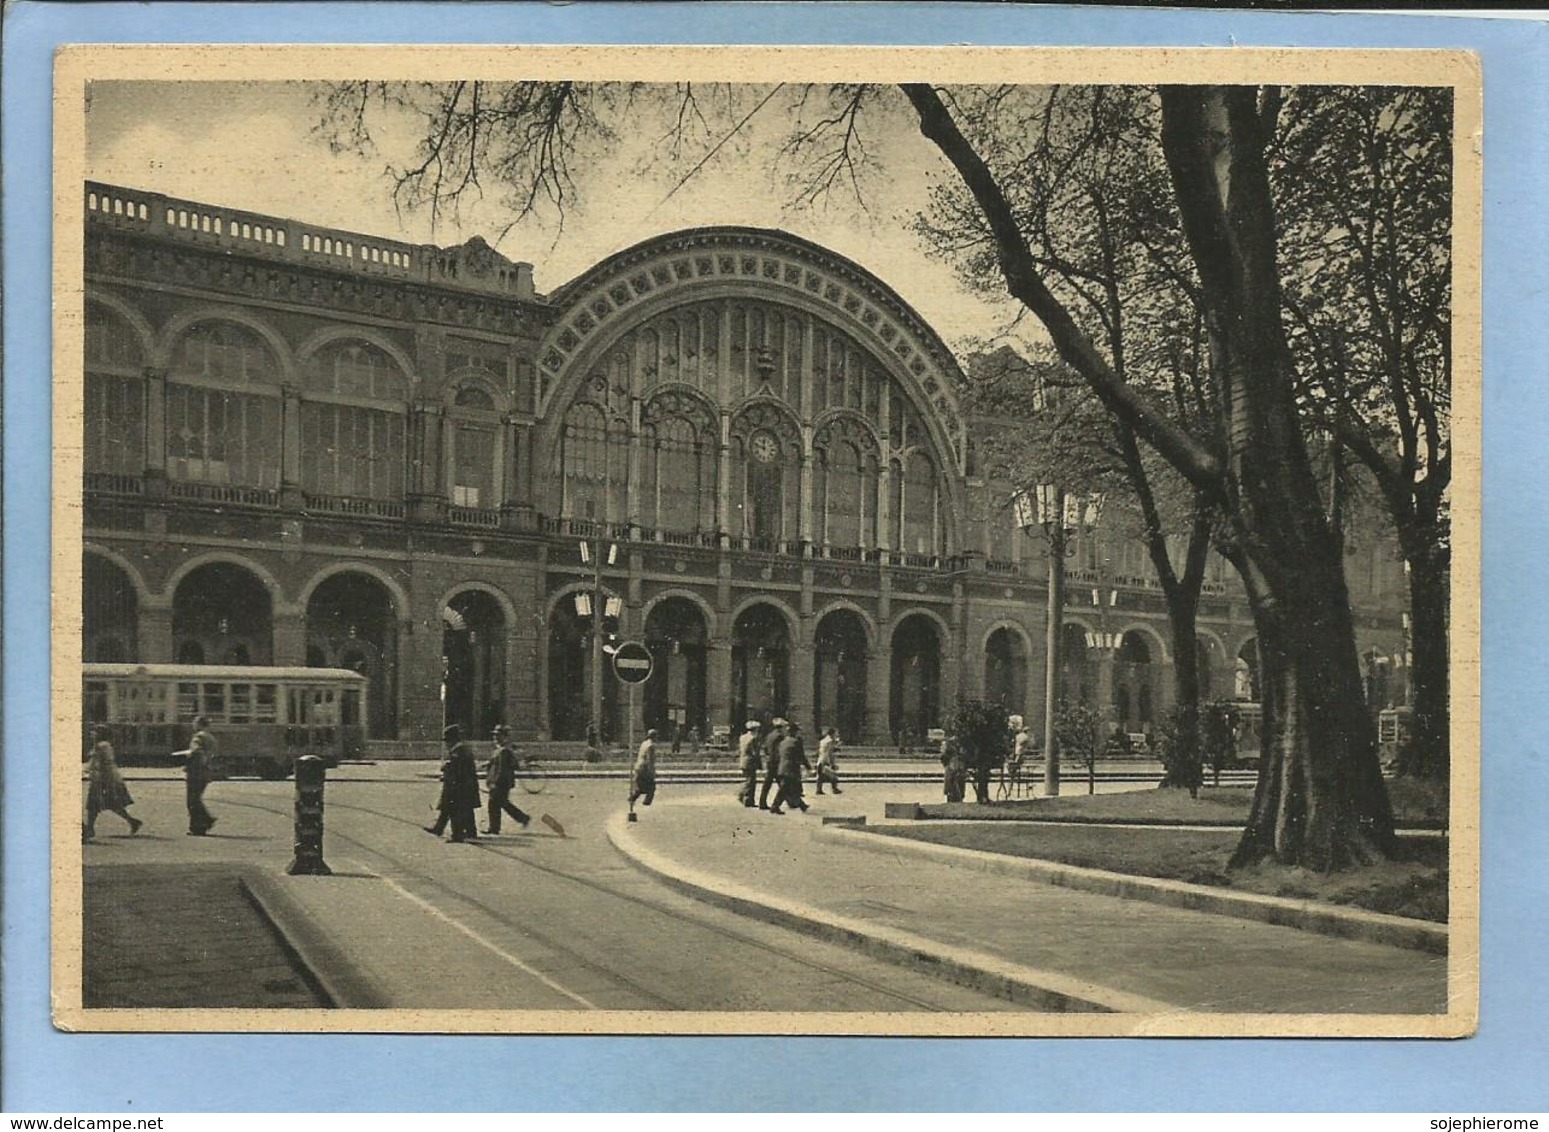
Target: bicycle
<point>532,776</point>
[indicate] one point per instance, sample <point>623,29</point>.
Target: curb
<point>1304,915</point>
<point>328,966</point>
<point>988,974</point>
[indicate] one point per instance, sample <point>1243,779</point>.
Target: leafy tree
<point>1365,188</point>
<point>1078,730</point>
<point>983,738</point>
<point>1321,800</point>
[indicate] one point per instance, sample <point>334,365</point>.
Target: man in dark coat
<point>197,773</point>
<point>499,778</point>
<point>793,762</point>
<point>749,762</point>
<point>772,743</point>
<point>954,769</point>
<point>459,800</point>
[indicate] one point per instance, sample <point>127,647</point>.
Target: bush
<point>1076,728</point>
<point>982,733</point>
<point>1178,747</point>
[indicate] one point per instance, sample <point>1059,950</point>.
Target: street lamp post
<point>593,551</point>
<point>1059,516</point>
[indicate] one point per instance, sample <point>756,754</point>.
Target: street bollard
<point>310,773</point>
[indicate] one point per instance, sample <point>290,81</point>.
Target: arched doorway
<point>570,673</point>
<point>1078,667</point>
<point>1245,679</point>
<point>1005,671</point>
<point>839,675</point>
<point>760,664</point>
<point>473,653</point>
<point>109,613</point>
<point>352,623</point>
<point>916,676</point>
<point>675,694</point>
<point>221,615</point>
<point>1134,683</point>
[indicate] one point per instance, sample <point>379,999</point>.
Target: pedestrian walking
<point>196,776</point>
<point>642,776</point>
<point>828,761</point>
<point>459,800</point>
<point>499,778</point>
<point>954,769</point>
<point>771,760</point>
<point>105,789</point>
<point>748,762</point>
<point>793,761</point>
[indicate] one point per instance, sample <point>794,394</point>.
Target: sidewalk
<point>1047,945</point>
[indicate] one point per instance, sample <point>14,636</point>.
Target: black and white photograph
<point>769,541</point>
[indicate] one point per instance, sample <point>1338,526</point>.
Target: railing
<point>350,505</point>
<point>586,528</point>
<point>294,242</point>
<point>921,561</point>
<point>473,516</point>
<point>842,553</point>
<point>1002,566</point>
<point>114,483</point>
<point>224,493</point>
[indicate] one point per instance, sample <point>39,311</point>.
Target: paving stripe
<point>895,941</point>
<point>496,948</point>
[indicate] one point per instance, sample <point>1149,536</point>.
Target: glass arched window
<point>594,465</point>
<point>681,480</point>
<point>846,510</point>
<point>115,394</point>
<point>223,408</point>
<point>917,515</point>
<point>474,443</point>
<point>353,423</point>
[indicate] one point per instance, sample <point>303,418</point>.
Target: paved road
<point>573,923</point>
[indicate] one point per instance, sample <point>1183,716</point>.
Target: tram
<point>263,719</point>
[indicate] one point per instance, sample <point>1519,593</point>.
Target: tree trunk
<point>1321,801</point>
<point>1428,753</point>
<point>1184,770</point>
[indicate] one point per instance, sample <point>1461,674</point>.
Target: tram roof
<point>250,672</point>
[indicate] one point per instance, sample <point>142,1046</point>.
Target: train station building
<point>306,446</point>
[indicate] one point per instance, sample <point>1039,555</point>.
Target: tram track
<point>523,927</point>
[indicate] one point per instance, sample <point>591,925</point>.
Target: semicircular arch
<point>706,610</point>
<point>839,604</point>
<point>1154,638</point>
<point>136,321</point>
<point>1012,626</point>
<point>507,606</point>
<point>399,598</point>
<point>331,334</point>
<point>270,582</point>
<point>943,629</point>
<point>180,324</point>
<point>141,589</point>
<point>792,620</point>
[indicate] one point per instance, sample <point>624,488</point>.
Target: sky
<point>256,146</point>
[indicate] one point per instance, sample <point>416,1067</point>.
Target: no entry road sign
<point>632,663</point>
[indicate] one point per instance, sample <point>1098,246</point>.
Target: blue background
<point>1500,1069</point>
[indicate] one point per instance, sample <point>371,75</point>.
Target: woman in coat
<point>105,789</point>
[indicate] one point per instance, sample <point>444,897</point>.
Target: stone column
<point>291,496</point>
<point>879,680</point>
<point>155,423</point>
<point>290,636</point>
<point>427,495</point>
<point>800,695</point>
<point>806,532</point>
<point>154,633</point>
<point>718,683</point>
<point>723,517</point>
<point>632,485</point>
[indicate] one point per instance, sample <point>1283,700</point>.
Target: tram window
<point>295,706</point>
<point>241,704</point>
<point>187,702</point>
<point>142,703</point>
<point>325,709</point>
<point>215,701</point>
<point>96,704</point>
<point>350,716</point>
<point>265,707</point>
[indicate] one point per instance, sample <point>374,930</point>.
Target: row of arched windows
<point>224,415</point>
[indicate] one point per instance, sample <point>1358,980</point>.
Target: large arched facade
<point>306,445</point>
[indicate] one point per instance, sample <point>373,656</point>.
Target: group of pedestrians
<point>106,790</point>
<point>782,757</point>
<point>458,804</point>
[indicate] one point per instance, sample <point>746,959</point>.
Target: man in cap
<point>748,762</point>
<point>642,776</point>
<point>793,762</point>
<point>499,778</point>
<point>459,800</point>
<point>771,760</point>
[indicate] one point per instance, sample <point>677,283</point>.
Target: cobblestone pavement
<point>169,935</point>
